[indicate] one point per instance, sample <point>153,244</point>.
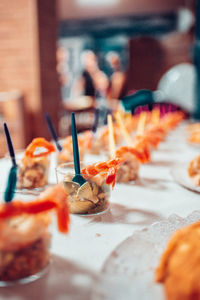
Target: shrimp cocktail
<point>34,166</point>
<point>66,155</point>
<point>93,196</point>
<point>25,236</point>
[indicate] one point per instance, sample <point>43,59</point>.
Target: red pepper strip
<point>11,209</point>
<point>110,179</point>
<point>16,208</point>
<point>39,142</point>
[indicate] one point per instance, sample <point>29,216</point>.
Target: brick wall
<point>27,58</point>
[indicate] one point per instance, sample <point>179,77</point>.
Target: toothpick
<point>111,136</point>
<point>123,129</point>
<point>155,117</point>
<point>141,123</point>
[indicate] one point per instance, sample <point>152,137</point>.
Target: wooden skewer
<point>141,123</point>
<point>111,136</point>
<point>123,129</point>
<point>155,118</point>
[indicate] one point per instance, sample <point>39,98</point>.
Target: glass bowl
<point>88,199</point>
<point>33,172</point>
<point>24,244</point>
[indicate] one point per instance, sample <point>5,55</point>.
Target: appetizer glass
<point>33,173</point>
<point>90,198</point>
<point>24,244</point>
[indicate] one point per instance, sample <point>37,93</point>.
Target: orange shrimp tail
<point>109,167</point>
<point>89,170</point>
<point>152,140</point>
<point>116,162</point>
<point>122,150</point>
<point>58,195</point>
<point>141,155</point>
<point>36,143</point>
<point>142,147</point>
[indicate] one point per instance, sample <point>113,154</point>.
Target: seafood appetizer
<point>34,166</point>
<point>147,127</point>
<point>194,133</point>
<point>171,120</point>
<point>25,235</point>
<point>195,137</point>
<point>194,170</point>
<point>179,268</point>
<point>156,132</point>
<point>131,156</point>
<point>84,141</point>
<point>193,127</point>
<point>100,140</point>
<point>128,171</point>
<point>93,196</point>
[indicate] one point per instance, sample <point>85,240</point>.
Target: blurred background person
<point>63,72</point>
<point>118,77</point>
<point>93,82</point>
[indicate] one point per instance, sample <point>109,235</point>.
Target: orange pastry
<point>179,268</point>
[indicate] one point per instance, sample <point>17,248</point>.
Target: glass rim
<point>17,152</point>
<point>20,155</point>
<point>61,171</point>
<point>31,194</point>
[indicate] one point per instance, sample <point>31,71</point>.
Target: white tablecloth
<point>80,255</point>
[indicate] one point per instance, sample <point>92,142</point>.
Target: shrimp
<point>84,142</point>
<point>52,198</point>
<point>150,139</point>
<point>109,168</point>
<point>195,137</point>
<point>34,168</point>
<point>128,171</point>
<point>194,170</point>
<point>171,120</point>
<point>141,156</point>
<point>36,143</point>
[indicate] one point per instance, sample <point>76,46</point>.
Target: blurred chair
<point>12,112</point>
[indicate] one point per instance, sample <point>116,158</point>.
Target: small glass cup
<point>33,173</point>
<point>66,155</point>
<point>90,198</point>
<point>24,245</point>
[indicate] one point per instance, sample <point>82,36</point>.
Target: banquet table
<point>79,256</point>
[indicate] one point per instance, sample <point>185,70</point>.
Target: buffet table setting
<point>113,254</point>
